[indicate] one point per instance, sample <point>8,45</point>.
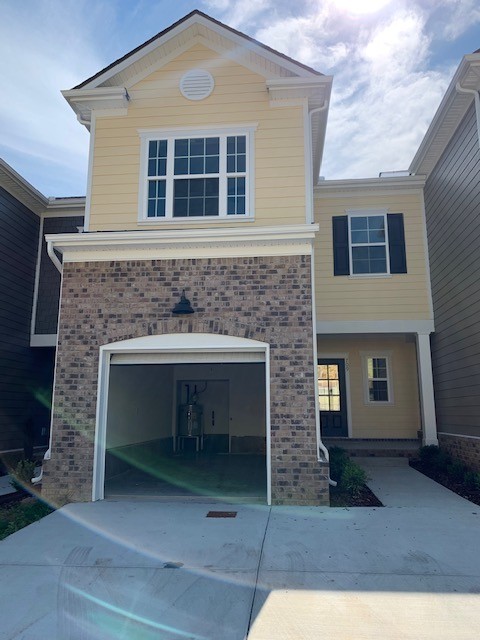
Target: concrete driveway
<point>159,570</point>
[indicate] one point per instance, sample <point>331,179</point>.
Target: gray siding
<point>49,281</point>
<point>19,229</point>
<point>452,201</point>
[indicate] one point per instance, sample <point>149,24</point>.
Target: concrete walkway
<point>396,484</point>
<point>157,570</point>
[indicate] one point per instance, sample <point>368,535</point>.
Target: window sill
<point>193,220</point>
<point>355,276</point>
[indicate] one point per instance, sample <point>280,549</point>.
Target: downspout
<point>322,448</point>
<point>54,258</point>
<point>476,95</point>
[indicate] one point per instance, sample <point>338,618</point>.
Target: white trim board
<point>171,344</point>
<point>375,326</point>
<point>43,340</point>
<point>185,243</point>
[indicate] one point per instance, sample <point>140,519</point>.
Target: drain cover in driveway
<point>222,514</point>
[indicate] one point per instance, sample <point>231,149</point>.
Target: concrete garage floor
<point>163,570</point>
<point>230,477</point>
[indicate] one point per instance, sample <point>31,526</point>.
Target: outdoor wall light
<point>183,307</point>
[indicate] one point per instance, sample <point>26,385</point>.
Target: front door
<point>332,398</point>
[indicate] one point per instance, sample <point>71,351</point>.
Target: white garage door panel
<point>187,357</point>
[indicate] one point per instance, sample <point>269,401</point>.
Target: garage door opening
<point>181,429</point>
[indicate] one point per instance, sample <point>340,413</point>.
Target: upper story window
<point>185,176</point>
<point>369,243</point>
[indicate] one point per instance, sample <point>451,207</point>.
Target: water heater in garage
<point>190,420</point>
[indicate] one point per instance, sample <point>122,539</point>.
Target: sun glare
<point>361,7</point>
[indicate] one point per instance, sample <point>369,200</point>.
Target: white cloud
<point>463,14</point>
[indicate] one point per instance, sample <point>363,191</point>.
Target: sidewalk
<point>139,569</point>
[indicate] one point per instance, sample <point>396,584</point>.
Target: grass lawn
<point>17,516</point>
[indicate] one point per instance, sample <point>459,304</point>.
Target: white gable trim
<point>241,41</point>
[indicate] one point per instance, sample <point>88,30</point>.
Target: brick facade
<point>261,298</point>
<point>462,448</point>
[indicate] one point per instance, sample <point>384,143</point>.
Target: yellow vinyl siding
<point>239,97</point>
<point>401,419</point>
<point>394,297</point>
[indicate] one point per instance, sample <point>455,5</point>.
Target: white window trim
<point>363,213</point>
<point>365,355</point>
<point>146,135</point>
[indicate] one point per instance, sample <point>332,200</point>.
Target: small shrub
<point>429,453</point>
<point>472,480</point>
<point>456,470</point>
<point>435,459</point>
<point>22,475</point>
<point>353,479</point>
<point>338,461</point>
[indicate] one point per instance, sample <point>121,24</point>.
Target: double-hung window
<point>196,176</point>
<point>369,243</point>
<point>377,378</point>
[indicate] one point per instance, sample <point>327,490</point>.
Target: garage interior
<point>184,430</point>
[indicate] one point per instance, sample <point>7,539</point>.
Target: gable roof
<point>286,79</point>
<point>198,18</point>
<point>449,115</point>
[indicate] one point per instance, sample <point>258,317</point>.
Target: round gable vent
<point>196,84</point>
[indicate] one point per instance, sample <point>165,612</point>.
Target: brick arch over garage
<point>265,299</point>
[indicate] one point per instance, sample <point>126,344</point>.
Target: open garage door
<point>181,423</point>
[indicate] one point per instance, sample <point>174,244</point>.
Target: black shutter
<point>341,257</point>
<point>396,243</point>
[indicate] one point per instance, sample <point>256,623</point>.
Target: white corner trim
<point>308,151</point>
<point>375,326</point>
<point>91,156</point>
<point>185,243</point>
<point>43,340</point>
<point>33,318</point>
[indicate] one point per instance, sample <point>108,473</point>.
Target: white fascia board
<point>441,123</point>
<point>329,188</point>
<point>84,101</point>
<point>422,327</point>
<point>20,189</point>
<point>241,41</point>
<point>188,243</point>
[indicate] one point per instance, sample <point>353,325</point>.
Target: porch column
<point>425,383</point>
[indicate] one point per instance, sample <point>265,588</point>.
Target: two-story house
<point>220,310</point>
<point>449,158</point>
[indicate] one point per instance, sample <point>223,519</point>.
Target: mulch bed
<point>457,487</point>
<point>365,498</point>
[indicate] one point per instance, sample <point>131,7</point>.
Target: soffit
<point>448,117</point>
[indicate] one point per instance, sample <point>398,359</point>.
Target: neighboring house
<point>307,310</point>
<point>29,294</point>
<point>449,157</point>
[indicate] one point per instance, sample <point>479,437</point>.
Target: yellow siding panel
<point>398,420</point>
<point>240,97</point>
<point>395,297</point>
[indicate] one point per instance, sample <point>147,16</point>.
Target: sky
<point>391,60</point>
